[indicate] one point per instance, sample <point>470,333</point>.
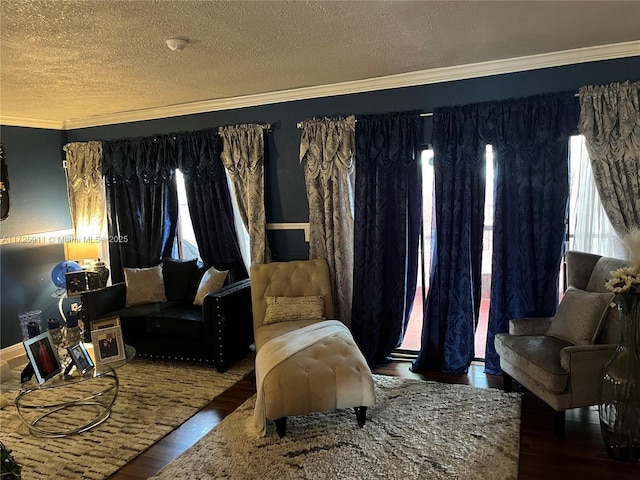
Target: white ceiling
<point>75,63</point>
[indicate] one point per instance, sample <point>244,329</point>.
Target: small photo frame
<point>43,356</point>
<point>108,345</point>
<point>80,356</point>
<point>105,323</point>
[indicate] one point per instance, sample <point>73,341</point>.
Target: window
<point>588,227</point>
<point>185,246</point>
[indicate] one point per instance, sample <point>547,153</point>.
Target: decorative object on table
<point>33,328</point>
<point>82,281</point>
<point>103,273</point>
<point>26,318</point>
<point>60,270</point>
<point>55,329</point>
<point>619,407</point>
<point>73,331</point>
<point>108,345</point>
<point>43,357</point>
<point>9,468</point>
<point>80,357</point>
<point>58,277</point>
<point>105,323</point>
<point>93,274</point>
<point>83,252</point>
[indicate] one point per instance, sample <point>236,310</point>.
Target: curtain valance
<point>154,159</point>
<point>388,140</point>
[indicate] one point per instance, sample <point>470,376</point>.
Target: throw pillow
<point>284,309</point>
<point>212,280</point>
<point>177,276</point>
<point>144,285</point>
<point>579,316</point>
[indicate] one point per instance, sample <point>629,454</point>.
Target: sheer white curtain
<point>592,230</point>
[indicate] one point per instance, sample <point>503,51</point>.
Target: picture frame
<point>105,323</point>
<point>80,357</point>
<point>108,344</point>
<point>43,356</point>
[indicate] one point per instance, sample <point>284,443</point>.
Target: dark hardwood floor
<point>581,455</point>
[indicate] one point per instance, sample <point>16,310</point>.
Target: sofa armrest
<point>585,364</point>
<point>588,357</point>
<point>97,303</point>
<point>529,326</point>
<point>228,322</point>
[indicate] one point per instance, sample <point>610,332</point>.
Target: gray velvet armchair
<point>560,359</point>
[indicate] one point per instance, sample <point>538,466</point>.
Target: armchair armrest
<point>529,326</point>
<point>228,322</point>
<point>97,303</point>
<point>585,364</point>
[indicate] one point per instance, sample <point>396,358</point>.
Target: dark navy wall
<point>38,204</point>
<point>285,196</point>
<point>38,188</point>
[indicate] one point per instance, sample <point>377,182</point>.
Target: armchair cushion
<point>284,309</point>
<point>580,316</point>
<point>144,285</point>
<point>538,355</point>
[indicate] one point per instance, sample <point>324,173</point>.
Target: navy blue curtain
<point>209,200</point>
<point>530,138</point>
<point>142,201</point>
<point>453,300</point>
<point>388,212</point>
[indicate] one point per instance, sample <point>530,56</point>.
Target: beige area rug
<point>417,429</point>
<point>154,398</point>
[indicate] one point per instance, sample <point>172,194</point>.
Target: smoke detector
<point>176,44</point>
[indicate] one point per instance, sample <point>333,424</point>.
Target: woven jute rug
<point>417,429</point>
<point>154,398</point>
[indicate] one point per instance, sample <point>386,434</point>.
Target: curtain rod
<point>430,114</point>
<point>426,114</point>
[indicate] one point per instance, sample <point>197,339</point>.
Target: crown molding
<point>32,122</point>
<point>410,79</point>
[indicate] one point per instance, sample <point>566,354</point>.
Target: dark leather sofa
<point>221,331</point>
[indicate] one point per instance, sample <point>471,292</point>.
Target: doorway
<point>412,338</point>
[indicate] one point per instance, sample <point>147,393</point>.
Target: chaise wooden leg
<point>507,382</point>
<point>558,423</point>
<point>361,415</point>
<point>281,426</point>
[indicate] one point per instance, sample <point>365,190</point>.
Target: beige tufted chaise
<point>326,375</point>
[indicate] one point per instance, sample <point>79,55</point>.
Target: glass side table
<point>67,403</point>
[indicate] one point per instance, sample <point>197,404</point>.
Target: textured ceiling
<point>73,60</point>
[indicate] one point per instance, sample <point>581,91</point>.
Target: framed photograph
<point>81,358</point>
<point>108,345</point>
<point>43,356</point>
<point>105,323</point>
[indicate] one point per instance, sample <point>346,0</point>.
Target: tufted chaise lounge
<point>328,373</point>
